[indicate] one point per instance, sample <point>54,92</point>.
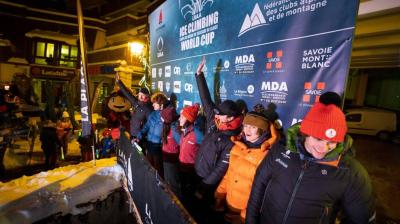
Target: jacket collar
<point>237,140</point>
<point>332,158</point>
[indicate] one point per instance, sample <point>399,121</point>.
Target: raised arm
<point>204,92</point>
<point>127,93</point>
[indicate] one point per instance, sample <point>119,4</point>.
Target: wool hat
<point>144,90</point>
<point>325,122</point>
<point>256,119</point>
<point>169,114</point>
<point>228,107</point>
<point>65,114</point>
<point>331,98</point>
<point>190,112</point>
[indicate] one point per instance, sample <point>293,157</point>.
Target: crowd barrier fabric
<point>154,201</point>
<point>284,52</point>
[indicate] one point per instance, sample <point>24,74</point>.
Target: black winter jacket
<point>212,159</point>
<point>140,112</point>
<point>288,189</point>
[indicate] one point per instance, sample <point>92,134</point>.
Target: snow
<point>64,190</point>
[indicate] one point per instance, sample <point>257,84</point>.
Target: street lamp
<point>138,49</point>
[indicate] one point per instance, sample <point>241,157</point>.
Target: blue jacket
<point>152,128</point>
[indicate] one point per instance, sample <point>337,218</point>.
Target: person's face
<point>142,97</point>
<point>223,118</point>
<point>251,132</point>
<point>182,120</point>
<point>157,106</point>
<point>318,148</point>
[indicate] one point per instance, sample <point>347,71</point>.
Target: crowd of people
<point>224,162</point>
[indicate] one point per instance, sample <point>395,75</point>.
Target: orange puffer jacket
<point>235,187</point>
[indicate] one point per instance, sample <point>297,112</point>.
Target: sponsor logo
<point>295,121</point>
<point>286,154</point>
<point>274,92</point>
<point>153,85</point>
<point>222,67</point>
<point>160,20</point>
<point>324,172</point>
<point>177,70</point>
<point>193,8</point>
<point>188,69</point>
<point>160,17</point>
<point>167,86</point>
<point>160,72</point>
<point>188,87</point>
<point>312,93</point>
<point>255,20</point>
<point>154,72</point>
<point>274,61</point>
<point>330,133</point>
<point>177,87</point>
<point>244,64</point>
<point>160,47</point>
<point>317,58</point>
<point>281,162</point>
<point>223,92</point>
<point>245,93</point>
<point>148,219</point>
<point>168,71</point>
<point>187,103</point>
<point>160,85</point>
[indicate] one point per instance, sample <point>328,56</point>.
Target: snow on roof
<point>32,198</point>
<point>69,39</point>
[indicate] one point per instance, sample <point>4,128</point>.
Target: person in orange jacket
<point>249,150</point>
<point>63,129</point>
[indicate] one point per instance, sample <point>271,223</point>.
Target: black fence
<point>153,199</point>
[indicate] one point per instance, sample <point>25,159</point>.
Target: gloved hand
<point>219,205</point>
<point>201,190</point>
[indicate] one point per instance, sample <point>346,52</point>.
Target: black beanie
<point>144,90</point>
<point>228,107</point>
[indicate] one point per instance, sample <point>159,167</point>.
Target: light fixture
<point>136,48</point>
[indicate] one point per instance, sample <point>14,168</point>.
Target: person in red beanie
<point>189,142</point>
<point>313,176</point>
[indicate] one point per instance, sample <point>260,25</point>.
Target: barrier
<point>153,200</point>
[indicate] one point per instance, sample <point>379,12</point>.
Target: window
<point>353,117</point>
<point>56,54</point>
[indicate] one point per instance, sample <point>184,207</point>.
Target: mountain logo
<point>251,22</point>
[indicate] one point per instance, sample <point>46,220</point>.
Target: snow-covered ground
<point>18,156</point>
<point>64,190</point>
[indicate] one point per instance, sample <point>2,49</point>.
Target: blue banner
<point>285,52</point>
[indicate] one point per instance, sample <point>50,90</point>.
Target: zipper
<point>296,187</point>
<point>325,214</point>
<point>265,195</point>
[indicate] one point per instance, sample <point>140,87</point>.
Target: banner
<point>85,101</point>
<point>155,202</point>
<point>280,52</point>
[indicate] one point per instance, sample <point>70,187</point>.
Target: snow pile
<point>65,190</point>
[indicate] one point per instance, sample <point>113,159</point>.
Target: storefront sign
<point>54,73</point>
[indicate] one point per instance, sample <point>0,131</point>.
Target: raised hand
<point>201,65</point>
<point>117,78</point>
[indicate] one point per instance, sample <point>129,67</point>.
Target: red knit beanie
<point>325,122</point>
<point>190,112</point>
